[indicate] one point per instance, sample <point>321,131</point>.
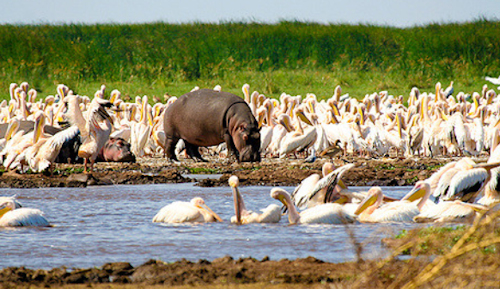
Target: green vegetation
<point>292,57</point>
<point>202,170</point>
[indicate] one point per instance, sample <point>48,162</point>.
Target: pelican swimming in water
<point>373,210</point>
<point>194,211</point>
<point>444,211</point>
<point>12,215</point>
<point>466,185</point>
<point>271,214</point>
<point>330,213</point>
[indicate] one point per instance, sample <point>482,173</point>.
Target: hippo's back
<point>198,116</point>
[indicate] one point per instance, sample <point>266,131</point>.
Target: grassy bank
<point>291,57</point>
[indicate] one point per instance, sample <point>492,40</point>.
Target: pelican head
<point>6,206</point>
<point>371,199</point>
<point>233,183</point>
<point>280,195</point>
<point>418,191</point>
<point>200,204</point>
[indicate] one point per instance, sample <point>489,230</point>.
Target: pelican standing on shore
<point>94,130</point>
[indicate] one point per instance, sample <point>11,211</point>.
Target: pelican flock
<point>428,124</point>
<point>33,131</point>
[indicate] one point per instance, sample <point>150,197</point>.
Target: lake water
<point>100,224</point>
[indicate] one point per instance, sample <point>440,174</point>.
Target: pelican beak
<point>415,194</point>
<point>286,123</point>
<point>237,204</point>
<point>4,208</point>
<point>476,207</point>
<point>367,202</point>
<point>206,208</point>
<point>303,117</point>
<point>487,166</point>
<point>283,200</point>
<point>389,199</point>
<point>341,184</point>
<point>260,121</point>
<point>342,200</point>
<point>311,107</point>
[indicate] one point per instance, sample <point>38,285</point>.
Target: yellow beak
<point>365,204</point>
<point>206,208</point>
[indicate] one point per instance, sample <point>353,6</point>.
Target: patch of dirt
<point>221,271</point>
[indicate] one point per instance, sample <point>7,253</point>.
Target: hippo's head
<point>117,150</point>
<point>247,142</point>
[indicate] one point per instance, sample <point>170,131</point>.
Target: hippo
<point>206,118</point>
<point>116,149</point>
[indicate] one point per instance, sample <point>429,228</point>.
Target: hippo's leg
<point>170,148</point>
<point>231,148</point>
<point>194,152</point>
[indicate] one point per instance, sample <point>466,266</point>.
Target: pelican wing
<point>325,214</point>
<point>49,151</point>
<point>178,212</point>
<point>329,182</point>
<point>271,214</point>
<point>402,211</point>
<point>24,217</point>
<point>465,185</point>
<point>445,212</point>
<point>301,194</point>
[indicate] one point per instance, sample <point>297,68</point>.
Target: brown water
<point>96,225</point>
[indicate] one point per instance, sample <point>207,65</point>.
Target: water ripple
<point>96,225</point>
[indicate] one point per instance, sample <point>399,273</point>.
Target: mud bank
<point>273,172</point>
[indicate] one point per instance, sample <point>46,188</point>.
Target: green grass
<point>292,57</point>
<point>202,170</point>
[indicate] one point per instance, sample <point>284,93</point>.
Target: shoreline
<point>271,172</point>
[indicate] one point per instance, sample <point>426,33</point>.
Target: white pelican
<point>94,130</point>
<point>330,213</point>
<point>466,185</point>
<point>299,139</point>
<point>444,211</point>
<point>314,191</point>
<point>141,130</point>
<point>271,214</point>
<point>373,210</point>
<point>49,150</point>
<point>13,216</point>
<point>194,211</point>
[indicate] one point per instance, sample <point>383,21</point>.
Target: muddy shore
<point>272,172</point>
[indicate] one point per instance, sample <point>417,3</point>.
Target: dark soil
<point>222,271</point>
<point>273,172</point>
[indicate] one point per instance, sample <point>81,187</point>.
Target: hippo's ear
<point>244,136</point>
